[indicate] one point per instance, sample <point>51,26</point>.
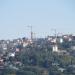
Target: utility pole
<point>55,32</point>
<point>31,32</point>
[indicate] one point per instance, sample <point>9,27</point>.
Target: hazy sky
<point>43,15</point>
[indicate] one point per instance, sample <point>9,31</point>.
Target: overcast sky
<point>43,15</point>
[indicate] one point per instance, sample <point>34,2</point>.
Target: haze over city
<point>43,15</point>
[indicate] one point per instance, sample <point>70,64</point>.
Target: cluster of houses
<point>56,40</point>
<point>9,48</point>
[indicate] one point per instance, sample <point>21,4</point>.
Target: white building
<point>25,44</point>
<point>54,40</point>
<point>61,40</point>
<point>12,54</point>
<point>55,48</point>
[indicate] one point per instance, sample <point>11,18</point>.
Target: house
<point>11,54</point>
<point>55,48</point>
<point>61,69</point>
<point>25,44</point>
<point>73,47</point>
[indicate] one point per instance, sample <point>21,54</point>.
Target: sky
<point>43,15</point>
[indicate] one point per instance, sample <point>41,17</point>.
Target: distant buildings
<point>57,44</point>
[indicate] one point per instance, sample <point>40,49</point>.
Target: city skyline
<point>44,15</point>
